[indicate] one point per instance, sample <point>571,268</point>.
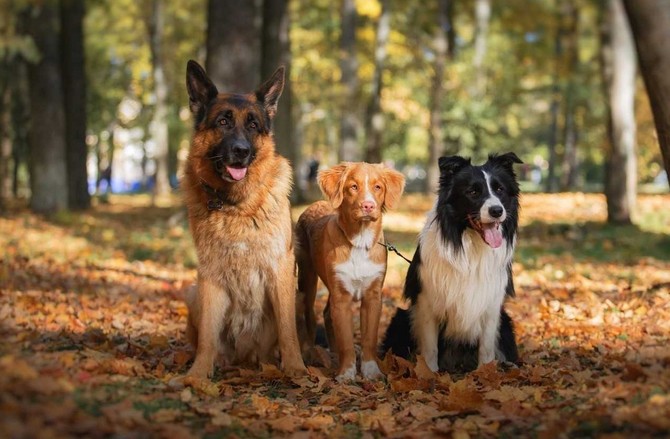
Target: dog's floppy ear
<point>201,90</point>
<point>395,185</point>
<point>450,165</point>
<point>506,160</point>
<point>331,182</point>
<point>268,93</point>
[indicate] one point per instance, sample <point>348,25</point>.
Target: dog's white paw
<point>348,375</point>
<point>370,370</point>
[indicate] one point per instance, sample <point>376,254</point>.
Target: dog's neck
<point>361,234</point>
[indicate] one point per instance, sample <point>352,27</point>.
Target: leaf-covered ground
<point>92,335</point>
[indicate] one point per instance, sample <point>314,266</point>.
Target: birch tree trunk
<point>435,136</point>
<point>350,126</point>
<point>618,53</point>
<point>374,118</point>
<point>159,124</point>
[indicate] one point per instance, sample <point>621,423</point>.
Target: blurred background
<point>93,98</point>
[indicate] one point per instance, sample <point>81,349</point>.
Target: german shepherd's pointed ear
<point>268,93</point>
<point>201,90</point>
<point>395,186</point>
<point>331,182</point>
<point>450,165</point>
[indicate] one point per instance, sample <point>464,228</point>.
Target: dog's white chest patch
<point>358,272</point>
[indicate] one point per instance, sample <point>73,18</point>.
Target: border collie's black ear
<point>506,160</point>
<point>449,166</point>
<point>201,90</point>
<point>268,93</point>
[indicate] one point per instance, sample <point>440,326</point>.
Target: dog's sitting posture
<point>338,241</point>
<point>462,270</point>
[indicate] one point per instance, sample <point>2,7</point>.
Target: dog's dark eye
<point>473,192</point>
<point>378,187</point>
<point>224,122</point>
<point>500,190</point>
<point>253,125</point>
<point>354,187</point>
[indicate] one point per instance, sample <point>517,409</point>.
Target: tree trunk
<point>159,123</point>
<point>435,140</point>
<point>618,56</point>
<point>551,183</point>
<point>20,118</point>
<point>482,18</point>
<point>233,45</point>
<point>74,94</point>
<point>570,160</point>
<point>349,127</point>
<point>374,117</point>
<point>276,51</point>
<point>5,138</point>
<point>650,24</point>
<point>46,138</point>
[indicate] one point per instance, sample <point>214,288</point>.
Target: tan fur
<point>245,300</point>
<point>327,233</point>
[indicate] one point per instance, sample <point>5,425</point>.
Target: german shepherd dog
<point>236,189</point>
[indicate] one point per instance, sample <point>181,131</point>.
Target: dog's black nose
<point>496,211</point>
<point>241,150</point>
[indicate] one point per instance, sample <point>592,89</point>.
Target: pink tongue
<point>237,173</point>
<point>493,235</point>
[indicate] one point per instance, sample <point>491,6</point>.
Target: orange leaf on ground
<point>422,370</point>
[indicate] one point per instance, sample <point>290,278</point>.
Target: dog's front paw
<point>295,370</point>
<point>370,370</point>
<point>348,374</point>
<point>200,370</point>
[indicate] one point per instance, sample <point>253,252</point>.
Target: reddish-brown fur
<point>245,301</point>
<point>337,231</point>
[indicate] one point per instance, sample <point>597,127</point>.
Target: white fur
<point>490,202</point>
<point>358,272</point>
<point>465,288</point>
<point>370,370</point>
<point>347,375</point>
<point>368,192</point>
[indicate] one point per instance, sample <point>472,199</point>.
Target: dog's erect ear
<point>395,185</point>
<point>331,182</point>
<point>449,166</point>
<point>506,160</point>
<point>268,93</point>
<point>201,90</point>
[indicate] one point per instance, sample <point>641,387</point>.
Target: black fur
<point>462,189</point>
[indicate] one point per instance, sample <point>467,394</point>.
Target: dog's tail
<point>398,338</point>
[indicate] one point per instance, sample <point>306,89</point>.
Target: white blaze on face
<point>491,225</point>
<point>368,193</point>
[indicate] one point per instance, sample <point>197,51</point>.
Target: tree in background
<point>618,54</point>
<point>233,44</point>
<point>47,145</point>
<point>276,51</point>
<point>374,117</point>
<point>349,125</point>
<point>650,24</point>
<point>435,134</point>
<point>74,94</point>
<point>159,124</point>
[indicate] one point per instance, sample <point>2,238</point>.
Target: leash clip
<point>391,247</point>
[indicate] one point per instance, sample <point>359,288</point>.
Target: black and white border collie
<point>462,270</point>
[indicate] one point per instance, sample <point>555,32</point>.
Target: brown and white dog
<point>338,242</point>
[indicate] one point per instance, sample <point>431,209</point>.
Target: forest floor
<point>92,336</point>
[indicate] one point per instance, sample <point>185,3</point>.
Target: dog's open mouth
<point>236,172</point>
<point>490,232</point>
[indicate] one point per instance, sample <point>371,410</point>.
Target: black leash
<point>392,248</point>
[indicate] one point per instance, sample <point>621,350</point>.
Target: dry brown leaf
<point>422,370</point>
